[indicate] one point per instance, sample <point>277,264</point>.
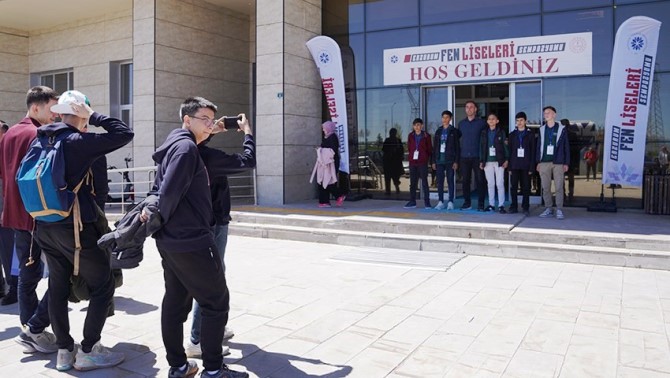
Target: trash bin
<point>656,193</point>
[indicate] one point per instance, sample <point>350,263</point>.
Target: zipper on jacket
<point>39,186</point>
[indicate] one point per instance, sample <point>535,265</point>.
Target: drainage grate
<point>441,261</point>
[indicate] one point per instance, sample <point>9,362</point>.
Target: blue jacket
<point>561,149</point>
<point>528,161</point>
<point>453,148</point>
<point>470,134</point>
<point>499,142</point>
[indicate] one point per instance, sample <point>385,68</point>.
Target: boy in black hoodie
<point>80,149</point>
<point>191,263</point>
<point>521,163</point>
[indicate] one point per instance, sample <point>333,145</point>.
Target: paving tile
<point>425,362</point>
<point>530,363</point>
<point>629,372</point>
<point>590,357</point>
<point>548,336</point>
<point>469,321</point>
<point>649,320</point>
<point>558,313</point>
<point>644,350</point>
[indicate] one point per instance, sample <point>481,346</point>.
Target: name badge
<point>492,151</point>
<point>416,155</point>
<point>520,152</point>
<point>550,149</point>
<point>443,147</point>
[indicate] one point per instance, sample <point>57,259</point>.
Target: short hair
<point>417,120</point>
<point>40,95</point>
<point>492,113</point>
<point>549,107</point>
<point>473,103</point>
<point>446,112</point>
<point>191,105</point>
<point>4,126</point>
<point>521,115</point>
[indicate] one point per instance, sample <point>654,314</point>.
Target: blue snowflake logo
<point>637,43</point>
<point>625,174</point>
<point>394,59</point>
<point>324,57</point>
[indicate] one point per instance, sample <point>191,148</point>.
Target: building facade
<point>138,59</point>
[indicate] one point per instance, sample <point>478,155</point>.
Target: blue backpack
<point>41,179</point>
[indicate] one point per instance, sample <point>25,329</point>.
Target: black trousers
<point>6,254</point>
<point>57,240</point>
<point>467,166</point>
<point>188,275</point>
<point>325,193</point>
<point>33,311</point>
<point>520,176</point>
<point>416,173</point>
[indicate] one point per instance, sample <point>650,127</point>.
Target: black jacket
<point>125,244</point>
<point>82,149</point>
<point>332,143</point>
<point>499,142</point>
<point>219,165</point>
<point>528,140</point>
<point>453,148</point>
<point>185,201</point>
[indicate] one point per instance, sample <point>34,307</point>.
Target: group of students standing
<point>483,147</point>
<point>189,175</point>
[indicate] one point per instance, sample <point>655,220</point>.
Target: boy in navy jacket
<point>521,162</point>
<point>446,156</point>
<point>553,159</point>
<point>420,155</point>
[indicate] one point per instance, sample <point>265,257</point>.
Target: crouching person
<point>191,262</point>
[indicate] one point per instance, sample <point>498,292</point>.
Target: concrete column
<point>288,96</point>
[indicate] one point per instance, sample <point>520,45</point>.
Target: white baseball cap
<point>67,99</point>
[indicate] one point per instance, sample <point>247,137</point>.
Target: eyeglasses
<point>206,120</point>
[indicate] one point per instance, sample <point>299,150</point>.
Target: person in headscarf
<point>330,141</point>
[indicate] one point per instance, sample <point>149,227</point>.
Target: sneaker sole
<point>89,368</point>
<point>64,368</point>
<point>30,347</point>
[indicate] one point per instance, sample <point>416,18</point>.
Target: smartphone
<point>230,122</point>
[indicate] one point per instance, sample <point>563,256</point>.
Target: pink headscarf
<point>329,127</point>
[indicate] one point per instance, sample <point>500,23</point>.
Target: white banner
<point>512,58</point>
<point>628,100</point>
<point>328,58</point>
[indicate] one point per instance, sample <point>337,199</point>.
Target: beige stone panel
<point>13,82</point>
<point>173,60</point>
<point>235,93</point>
<point>90,34</point>
<point>270,39</point>
<point>13,63</point>
<point>236,28</point>
<point>144,133</point>
<point>167,108</point>
<point>42,62</point>
<point>97,94</point>
<point>143,108</point>
<point>163,129</point>
<point>270,160</point>
<point>302,101</point>
<point>13,101</point>
<point>295,39</point>
<point>269,12</point>
<point>143,82</point>
<point>143,31</point>
<point>143,9</point>
<point>175,11</point>
<point>11,117</point>
<point>14,44</point>
<point>237,71</point>
<point>270,190</point>
<point>302,131</point>
<point>120,49</point>
<point>93,74</point>
<point>143,57</point>
<point>174,35</point>
<point>41,43</point>
<point>303,15</point>
<point>269,100</point>
<point>299,160</point>
<point>298,188</point>
<point>301,72</point>
<point>122,28</point>
<point>316,3</point>
<point>273,69</point>
<point>269,129</point>
<point>313,18</point>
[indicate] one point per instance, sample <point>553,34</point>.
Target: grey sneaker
<point>44,341</point>
<point>450,205</point>
<point>99,357</point>
<point>187,371</point>
<point>225,372</point>
<point>546,213</point>
<point>439,206</point>
<point>228,333</point>
<point>194,351</point>
<point>65,359</point>
<point>559,214</point>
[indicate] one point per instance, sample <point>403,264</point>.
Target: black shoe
<point>188,371</point>
<point>513,210</point>
<point>502,210</point>
<point>481,209</point>
<point>410,205</point>
<point>225,372</point>
<point>526,212</point>
<point>490,208</point>
<point>9,299</point>
<point>466,206</point>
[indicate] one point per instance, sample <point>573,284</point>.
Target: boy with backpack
<point>79,225</point>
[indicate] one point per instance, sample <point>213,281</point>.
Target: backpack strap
<point>76,219</point>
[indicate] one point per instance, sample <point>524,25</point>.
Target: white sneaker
<point>44,341</point>
<point>65,359</point>
<point>546,213</point>
<point>194,350</point>
<point>439,206</point>
<point>450,205</point>
<point>99,357</point>
<point>228,333</point>
<point>559,214</point>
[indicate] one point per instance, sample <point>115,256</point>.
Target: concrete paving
<point>300,311</point>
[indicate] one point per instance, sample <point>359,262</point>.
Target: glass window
<point>58,81</point>
<point>357,44</point>
<point>126,84</point>
<point>121,91</point>
<point>443,11</point>
<point>387,108</point>
<point>659,11</point>
<point>481,30</point>
<point>436,101</point>
<point>554,5</point>
<point>578,98</point>
<point>658,132</point>
<point>391,14</point>
<point>528,99</point>
<point>376,43</point>
<point>597,21</point>
<point>340,17</point>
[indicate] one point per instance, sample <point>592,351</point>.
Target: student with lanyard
<point>494,155</point>
<point>446,157</point>
<point>420,153</point>
<point>521,163</point>
<point>553,159</point>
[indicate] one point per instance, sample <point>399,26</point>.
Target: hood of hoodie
<point>174,136</point>
<point>51,129</point>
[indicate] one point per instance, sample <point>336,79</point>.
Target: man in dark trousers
<point>33,313</point>
<point>93,264</point>
<point>521,163</point>
<point>191,262</point>
<point>471,129</point>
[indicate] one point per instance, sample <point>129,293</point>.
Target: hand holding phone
<point>230,122</point>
